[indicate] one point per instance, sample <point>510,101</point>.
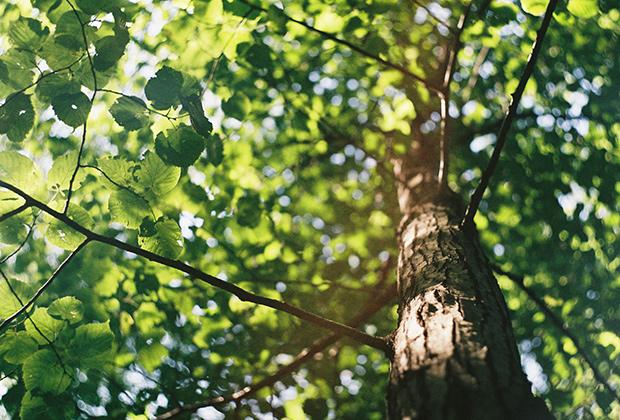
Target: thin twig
<point>442,176</point>
<point>43,76</point>
<point>122,187</point>
<point>45,285</point>
<point>350,45</point>
<point>142,104</point>
<point>92,99</point>
<point>519,281</point>
<point>244,295</point>
<point>476,197</point>
<point>432,15</point>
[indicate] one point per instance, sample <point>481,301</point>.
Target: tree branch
<point>242,294</point>
<point>519,281</point>
<point>306,354</point>
<point>351,46</point>
<point>476,197</point>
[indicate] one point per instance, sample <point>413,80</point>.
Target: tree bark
<point>455,355</point>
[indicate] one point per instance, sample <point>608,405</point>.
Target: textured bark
<point>455,355</point>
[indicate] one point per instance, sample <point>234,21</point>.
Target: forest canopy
<point>201,201</point>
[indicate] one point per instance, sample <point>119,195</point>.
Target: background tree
<point>204,205</point>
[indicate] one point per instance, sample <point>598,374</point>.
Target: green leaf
<point>27,33</point>
<point>16,117</point>
<point>17,346</point>
<point>15,230</point>
<point>164,89</point>
<point>51,84</point>
<point>57,56</point>
<point>92,345</point>
<point>128,208</point>
<point>33,407</point>
<point>19,64</point>
<point>18,170</point>
<point>63,236</point>
<point>59,177</point>
<point>42,371</point>
<point>72,108</point>
<point>583,8</point>
<point>9,304</point>
<point>130,113</point>
<point>151,357</point>
<point>180,147</point>
<point>155,176</point>
<point>69,31</point>
<point>68,308</point>
<point>109,49</point>
<point>249,210</point>
<point>534,7</point>
<point>41,322</point>
<point>200,123</point>
<point>215,150</point>
<point>119,170</point>
<point>162,237</point>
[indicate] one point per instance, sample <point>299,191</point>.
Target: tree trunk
<point>455,355</point>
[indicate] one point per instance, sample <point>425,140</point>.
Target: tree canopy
<point>198,207</point>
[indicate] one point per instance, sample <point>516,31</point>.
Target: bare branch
<point>557,321</point>
<point>244,295</point>
<point>432,15</point>
<point>442,176</point>
<point>45,285</point>
<point>351,46</point>
<point>43,76</point>
<point>14,212</point>
<point>476,197</point>
<point>92,99</point>
<point>305,355</point>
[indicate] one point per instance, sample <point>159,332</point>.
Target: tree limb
<point>476,197</point>
<point>351,46</point>
<point>518,280</point>
<point>316,347</point>
<point>244,295</point>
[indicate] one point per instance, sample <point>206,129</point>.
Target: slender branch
<point>142,104</point>
<point>45,285</point>
<point>244,295</point>
<point>519,281</point>
<point>43,76</point>
<point>23,243</point>
<point>349,45</point>
<point>122,187</point>
<point>92,99</point>
<point>442,176</point>
<point>77,167</point>
<point>86,47</point>
<point>476,197</point>
<point>432,15</point>
<point>303,356</point>
<point>14,212</point>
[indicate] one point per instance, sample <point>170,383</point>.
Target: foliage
<point>238,141</point>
